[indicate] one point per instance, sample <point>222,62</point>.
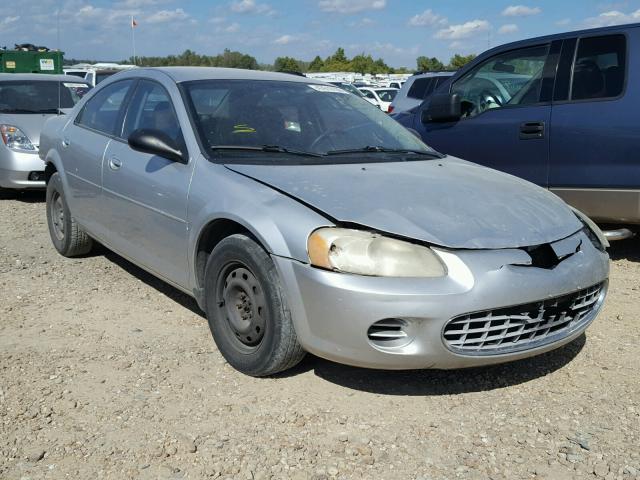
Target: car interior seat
<point>588,80</point>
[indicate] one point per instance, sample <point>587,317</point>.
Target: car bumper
<point>15,168</point>
<point>333,312</point>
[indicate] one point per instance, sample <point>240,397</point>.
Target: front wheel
<point>247,310</point>
<point>67,236</point>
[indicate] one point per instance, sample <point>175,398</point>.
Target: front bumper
<point>333,311</point>
<point>15,168</point>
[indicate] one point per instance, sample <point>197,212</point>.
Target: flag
<point>134,24</point>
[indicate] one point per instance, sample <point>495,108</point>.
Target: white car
<point>381,97</point>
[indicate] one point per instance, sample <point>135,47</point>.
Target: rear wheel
<point>247,311</point>
<point>67,236</point>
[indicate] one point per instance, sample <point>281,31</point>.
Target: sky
<point>396,30</point>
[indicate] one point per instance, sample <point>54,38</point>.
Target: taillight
<point>390,109</point>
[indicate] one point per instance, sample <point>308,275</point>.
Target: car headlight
<point>593,231</point>
<point>367,253</point>
<point>15,139</point>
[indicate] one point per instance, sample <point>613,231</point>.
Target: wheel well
<point>49,170</point>
<point>212,234</point>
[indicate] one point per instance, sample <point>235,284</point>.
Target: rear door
<point>145,195</point>
<point>84,143</point>
<point>594,127</point>
<point>507,109</point>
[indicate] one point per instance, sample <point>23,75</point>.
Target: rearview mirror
<point>158,143</point>
<point>443,107</point>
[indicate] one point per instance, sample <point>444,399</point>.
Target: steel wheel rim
<point>56,211</point>
<point>242,306</point>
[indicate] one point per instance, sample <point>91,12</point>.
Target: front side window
<point>103,110</point>
<point>151,109</point>
<point>313,118</point>
<point>38,96</point>
<point>512,78</point>
<point>599,67</point>
<point>386,95</point>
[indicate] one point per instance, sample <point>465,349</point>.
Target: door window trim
<point>139,81</point>
<point>508,107</point>
<point>568,100</point>
<point>125,102</point>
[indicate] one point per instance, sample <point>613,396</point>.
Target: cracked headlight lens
<point>367,253</point>
<point>593,231</point>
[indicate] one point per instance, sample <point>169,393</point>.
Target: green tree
<point>316,64</point>
<point>287,64</point>
<point>426,64</point>
<point>459,61</point>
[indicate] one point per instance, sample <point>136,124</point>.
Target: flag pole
<point>133,40</point>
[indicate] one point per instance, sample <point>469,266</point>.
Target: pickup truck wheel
<point>67,236</point>
<point>247,310</point>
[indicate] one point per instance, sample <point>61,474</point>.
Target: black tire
<point>67,236</point>
<point>247,309</point>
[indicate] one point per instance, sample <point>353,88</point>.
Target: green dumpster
<point>18,61</point>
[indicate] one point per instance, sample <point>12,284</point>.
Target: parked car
<point>416,90</point>
<point>381,97</point>
<point>26,102</point>
<point>559,111</point>
<point>395,84</point>
<point>303,219</point>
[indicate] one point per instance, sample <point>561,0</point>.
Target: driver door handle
<point>531,130</point>
<point>115,163</point>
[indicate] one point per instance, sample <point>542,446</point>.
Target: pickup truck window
<point>599,68</point>
<point>102,111</point>
<point>511,78</point>
<point>421,88</point>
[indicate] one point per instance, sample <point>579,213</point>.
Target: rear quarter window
<point>420,88</point>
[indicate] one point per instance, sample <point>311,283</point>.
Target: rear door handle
<point>65,142</point>
<point>531,130</point>
<point>114,163</point>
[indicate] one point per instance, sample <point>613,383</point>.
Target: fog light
<point>36,176</point>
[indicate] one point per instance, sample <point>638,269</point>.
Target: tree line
<point>338,62</point>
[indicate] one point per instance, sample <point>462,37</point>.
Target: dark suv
<point>560,111</point>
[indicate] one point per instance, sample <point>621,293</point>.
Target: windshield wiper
<point>24,110</point>
<point>266,148</point>
<point>375,149</point>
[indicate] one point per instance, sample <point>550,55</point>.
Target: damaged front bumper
<point>400,323</point>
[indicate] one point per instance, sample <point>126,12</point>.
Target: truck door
<point>506,102</point>
<point>594,127</point>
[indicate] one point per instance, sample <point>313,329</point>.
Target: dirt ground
<point>108,373</point>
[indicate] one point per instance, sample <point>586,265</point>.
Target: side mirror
<point>158,143</point>
<point>442,107</point>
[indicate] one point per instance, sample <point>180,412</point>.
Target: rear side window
<point>599,68</point>
<point>421,88</point>
<point>104,109</point>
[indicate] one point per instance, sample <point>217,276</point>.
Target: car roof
<point>39,76</point>
<point>188,74</point>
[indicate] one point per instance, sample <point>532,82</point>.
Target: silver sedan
<point>26,102</point>
<point>305,220</point>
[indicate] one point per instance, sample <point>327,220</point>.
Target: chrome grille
<point>522,327</point>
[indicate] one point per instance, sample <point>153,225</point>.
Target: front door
<point>506,114</point>
<point>146,195</point>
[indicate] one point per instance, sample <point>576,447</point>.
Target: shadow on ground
<point>26,196</point>
<point>626,249</point>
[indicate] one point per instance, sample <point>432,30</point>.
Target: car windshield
<point>39,96</point>
<point>349,88</point>
<point>240,116</point>
<point>387,95</point>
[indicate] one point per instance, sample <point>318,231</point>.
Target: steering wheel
<point>325,135</point>
<point>486,98</point>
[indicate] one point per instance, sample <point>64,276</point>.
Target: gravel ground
<point>106,372</point>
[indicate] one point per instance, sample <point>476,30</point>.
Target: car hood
<point>448,202</point>
<point>30,123</point>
